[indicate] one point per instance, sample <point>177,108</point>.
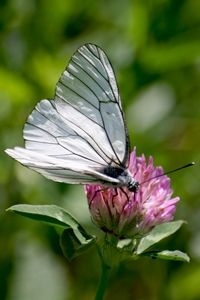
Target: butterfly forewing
<point>88,86</point>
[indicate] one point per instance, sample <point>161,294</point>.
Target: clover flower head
<point>124,213</point>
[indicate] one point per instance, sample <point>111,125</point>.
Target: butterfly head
<point>133,185</point>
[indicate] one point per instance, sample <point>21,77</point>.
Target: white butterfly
<point>80,136</point>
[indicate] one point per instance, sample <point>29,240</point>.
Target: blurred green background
<point>154,47</point>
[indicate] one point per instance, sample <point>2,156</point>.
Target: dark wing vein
<point>118,102</point>
<point>95,80</point>
<point>90,137</point>
<point>101,148</point>
<point>105,77</point>
<point>63,129</point>
<point>69,103</point>
<point>108,136</point>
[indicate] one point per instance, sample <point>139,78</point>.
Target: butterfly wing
<point>75,136</point>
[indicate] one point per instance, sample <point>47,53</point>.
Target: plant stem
<point>103,282</point>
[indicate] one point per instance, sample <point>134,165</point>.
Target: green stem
<point>103,282</point>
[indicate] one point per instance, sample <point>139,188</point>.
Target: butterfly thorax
<point>124,176</point>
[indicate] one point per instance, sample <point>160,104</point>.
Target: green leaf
<point>169,255</point>
<point>51,214</point>
<point>75,242</point>
<point>74,239</point>
<point>157,234</point>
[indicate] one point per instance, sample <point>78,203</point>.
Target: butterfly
<point>80,136</point>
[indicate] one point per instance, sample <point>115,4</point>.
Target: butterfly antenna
<point>169,172</point>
